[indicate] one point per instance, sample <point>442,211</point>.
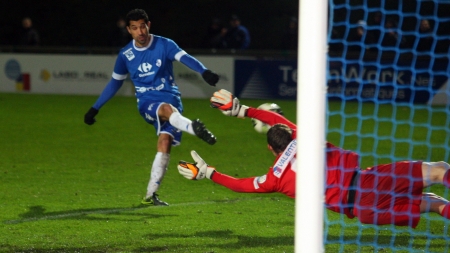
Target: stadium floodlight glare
<point>311,95</point>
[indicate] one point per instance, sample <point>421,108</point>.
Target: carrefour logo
<point>145,69</point>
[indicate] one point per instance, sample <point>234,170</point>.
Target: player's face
<point>139,30</point>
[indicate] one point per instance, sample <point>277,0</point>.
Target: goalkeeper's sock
<point>159,168</point>
<point>182,123</point>
<point>446,180</point>
<point>446,211</point>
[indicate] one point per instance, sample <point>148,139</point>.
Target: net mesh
<point>388,100</point>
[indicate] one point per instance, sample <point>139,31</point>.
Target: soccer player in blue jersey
<point>148,59</point>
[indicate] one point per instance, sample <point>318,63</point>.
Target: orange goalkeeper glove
<point>197,170</point>
<point>228,104</point>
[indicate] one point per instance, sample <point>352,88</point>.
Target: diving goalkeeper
<point>383,194</point>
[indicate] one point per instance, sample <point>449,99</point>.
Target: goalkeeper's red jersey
<point>341,165</point>
<point>281,176</point>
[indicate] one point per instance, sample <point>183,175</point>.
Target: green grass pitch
<point>69,187</point>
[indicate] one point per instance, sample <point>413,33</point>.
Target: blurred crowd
<point>28,35</point>
<point>382,34</point>
<point>230,34</point>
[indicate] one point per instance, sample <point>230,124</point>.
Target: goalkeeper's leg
<point>435,173</point>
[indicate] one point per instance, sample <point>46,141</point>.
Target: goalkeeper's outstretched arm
<point>200,169</point>
<point>248,185</point>
<point>230,106</point>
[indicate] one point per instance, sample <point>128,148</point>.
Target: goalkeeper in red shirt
<point>383,194</point>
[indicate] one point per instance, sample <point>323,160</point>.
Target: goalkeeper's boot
<point>203,133</point>
<point>153,200</point>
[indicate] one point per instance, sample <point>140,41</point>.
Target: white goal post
<point>311,94</point>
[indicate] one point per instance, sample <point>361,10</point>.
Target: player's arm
<point>108,92</point>
<point>248,185</point>
<point>199,170</point>
<point>230,106</point>
<point>269,117</point>
<point>175,52</point>
<point>210,77</point>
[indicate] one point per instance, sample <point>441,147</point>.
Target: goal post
<point>373,78</point>
<point>311,94</point>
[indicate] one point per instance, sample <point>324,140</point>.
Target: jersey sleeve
<point>173,51</point>
<point>120,68</point>
<point>261,184</point>
<point>192,63</point>
<point>119,74</point>
<point>176,53</point>
<point>110,90</point>
<point>269,117</point>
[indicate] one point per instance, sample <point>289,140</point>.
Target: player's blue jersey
<point>151,71</point>
<point>150,67</point>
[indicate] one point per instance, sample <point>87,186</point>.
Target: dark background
<point>88,23</point>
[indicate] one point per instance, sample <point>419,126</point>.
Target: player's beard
<point>142,40</point>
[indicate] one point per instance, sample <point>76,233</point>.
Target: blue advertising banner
<point>263,79</point>
<point>405,81</point>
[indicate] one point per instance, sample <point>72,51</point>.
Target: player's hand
<point>210,77</point>
<point>89,117</point>
<point>197,170</point>
<point>228,104</point>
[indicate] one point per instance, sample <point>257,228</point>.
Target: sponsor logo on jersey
<point>140,89</point>
<point>129,54</point>
<point>277,170</point>
<point>286,157</point>
<point>145,68</point>
<point>259,180</point>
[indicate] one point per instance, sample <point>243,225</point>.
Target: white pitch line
<point>117,210</point>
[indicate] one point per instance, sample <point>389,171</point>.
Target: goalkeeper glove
<point>197,170</point>
<point>228,104</point>
<point>89,116</point>
<point>210,77</point>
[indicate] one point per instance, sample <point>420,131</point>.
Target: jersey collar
<point>146,47</point>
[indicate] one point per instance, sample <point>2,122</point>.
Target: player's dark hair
<point>135,15</point>
<point>279,136</point>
